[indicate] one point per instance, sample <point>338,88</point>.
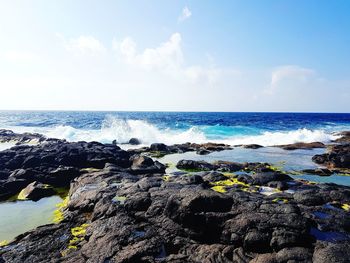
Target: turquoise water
<point>178,127</point>
<point>20,216</point>
<point>286,160</point>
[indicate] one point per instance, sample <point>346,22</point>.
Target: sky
<point>162,55</point>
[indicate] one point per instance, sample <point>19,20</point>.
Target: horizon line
<point>171,111</point>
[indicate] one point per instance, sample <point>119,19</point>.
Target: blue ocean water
<point>176,127</point>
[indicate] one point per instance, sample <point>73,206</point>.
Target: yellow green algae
<point>78,234</point>
<point>119,199</point>
<point>220,186</point>
<point>22,195</point>
<point>3,243</point>
<point>58,213</point>
<point>280,200</point>
<point>166,178</point>
<point>60,191</point>
<point>276,168</point>
<point>346,207</point>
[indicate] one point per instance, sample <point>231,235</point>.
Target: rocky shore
<point>122,206</point>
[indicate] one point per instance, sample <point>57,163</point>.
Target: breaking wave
<point>122,130</point>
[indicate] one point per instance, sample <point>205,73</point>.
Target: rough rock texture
<point>160,149</point>
<point>302,145</point>
<point>345,137</point>
<point>143,218</point>
<point>57,162</point>
<point>35,191</point>
<point>252,146</point>
<point>8,136</point>
<point>122,207</point>
<point>338,156</point>
<point>134,141</point>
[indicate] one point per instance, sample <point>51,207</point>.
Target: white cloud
<point>83,45</point>
<point>289,74</point>
<point>167,56</point>
<point>185,14</point>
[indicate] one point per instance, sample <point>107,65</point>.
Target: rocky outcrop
<point>161,149</point>
<point>250,146</point>
<point>35,191</point>
<point>338,156</point>
<point>344,137</point>
<point>114,216</point>
<point>54,162</point>
<point>122,207</point>
<point>302,145</point>
<point>20,138</point>
<point>134,141</point>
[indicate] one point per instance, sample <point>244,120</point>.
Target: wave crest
<point>287,137</point>
<point>123,130</point>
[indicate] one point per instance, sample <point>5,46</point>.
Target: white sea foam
<point>122,130</point>
<point>286,137</point>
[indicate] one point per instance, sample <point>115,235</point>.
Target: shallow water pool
<point>20,216</point>
<point>289,160</point>
<point>296,160</point>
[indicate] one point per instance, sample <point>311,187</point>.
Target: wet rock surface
<point>161,149</point>
<point>344,137</point>
<point>20,138</point>
<point>35,191</point>
<point>338,156</point>
<point>302,145</point>
<point>123,207</point>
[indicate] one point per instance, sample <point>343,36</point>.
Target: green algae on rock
<point>58,213</point>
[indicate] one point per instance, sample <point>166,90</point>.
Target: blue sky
<point>290,55</point>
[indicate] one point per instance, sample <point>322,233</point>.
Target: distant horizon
<point>170,111</point>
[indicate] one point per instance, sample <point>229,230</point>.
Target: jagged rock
<point>338,156</point>
<point>252,146</point>
<point>144,164</point>
<point>266,177</point>
<point>318,171</point>
<point>302,145</point>
<point>331,253</point>
<point>35,191</point>
<point>122,208</point>
<point>345,137</point>
<point>134,141</point>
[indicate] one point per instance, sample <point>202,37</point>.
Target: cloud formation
<point>185,14</point>
<point>83,45</point>
<point>167,56</point>
<point>288,74</point>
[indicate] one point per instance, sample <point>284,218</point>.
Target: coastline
<point>128,206</point>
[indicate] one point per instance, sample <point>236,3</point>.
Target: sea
<point>233,128</point>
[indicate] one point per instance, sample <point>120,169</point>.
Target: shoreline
<point>126,206</point>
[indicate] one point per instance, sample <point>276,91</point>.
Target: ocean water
<point>178,127</point>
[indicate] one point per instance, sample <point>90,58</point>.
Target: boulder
<point>252,146</point>
<point>338,156</point>
<point>134,141</point>
<point>35,191</point>
<point>266,177</point>
<point>302,145</point>
<point>158,147</point>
